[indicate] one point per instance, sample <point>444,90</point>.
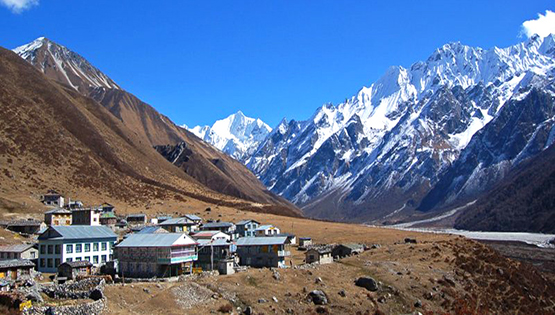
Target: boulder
<point>368,283</point>
<point>318,297</point>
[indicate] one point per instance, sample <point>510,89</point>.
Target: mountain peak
<point>63,65</point>
<point>237,135</point>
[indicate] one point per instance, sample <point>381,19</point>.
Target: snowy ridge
<point>237,135</point>
<point>394,138</point>
<point>63,64</point>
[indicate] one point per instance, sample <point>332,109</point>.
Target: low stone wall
<point>84,289</point>
<point>92,308</point>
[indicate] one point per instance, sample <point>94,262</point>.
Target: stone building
<point>18,251</point>
<point>319,254</point>
<point>16,269</point>
<point>71,270</point>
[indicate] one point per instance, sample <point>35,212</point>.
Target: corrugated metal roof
<point>136,215</point>
<point>152,230</point>
<point>58,211</point>
<point>14,263</point>
<point>177,221</point>
<point>79,232</point>
<point>217,225</point>
<point>193,217</point>
<point>154,240</point>
<point>17,248</point>
<point>254,241</point>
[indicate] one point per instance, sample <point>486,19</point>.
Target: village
<point>87,247</point>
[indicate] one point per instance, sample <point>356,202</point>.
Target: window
<point>50,249</point>
<point>56,262</point>
<point>78,248</point>
<point>69,259</point>
<point>43,249</point>
<point>42,263</point>
<point>104,246</point>
<point>103,258</point>
<point>87,247</point>
<point>95,247</point>
<point>33,255</point>
<point>111,257</point>
<point>58,248</point>
<point>88,258</point>
<point>95,259</point>
<point>69,249</point>
<point>49,262</point>
<point>77,258</point>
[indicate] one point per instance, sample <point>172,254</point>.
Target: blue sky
<point>200,61</point>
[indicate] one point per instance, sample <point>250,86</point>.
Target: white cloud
<point>17,6</point>
<point>543,25</point>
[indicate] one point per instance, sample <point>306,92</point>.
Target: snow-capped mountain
<point>64,65</point>
<point>380,152</point>
<point>237,135</point>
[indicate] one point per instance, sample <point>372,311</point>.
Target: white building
<point>59,244</point>
<point>267,230</point>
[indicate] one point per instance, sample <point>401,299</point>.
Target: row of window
<point>54,263</point>
<point>87,247</point>
<point>56,249</point>
<point>9,255</point>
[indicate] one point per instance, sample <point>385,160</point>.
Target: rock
<point>321,310</point>
<point>375,246</point>
<point>261,300</point>
<point>276,275</point>
<point>318,280</point>
<point>368,283</point>
<point>146,290</point>
<point>289,311</point>
<point>274,299</point>
<point>449,280</point>
<point>342,293</point>
<point>159,286</point>
<point>418,303</point>
<point>410,240</point>
<point>318,297</point>
<point>428,295</point>
<point>382,299</point>
<point>248,311</point>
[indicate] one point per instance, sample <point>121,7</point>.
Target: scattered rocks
<point>274,299</point>
<point>321,310</point>
<point>318,280</point>
<point>382,299</point>
<point>262,300</point>
<point>368,283</point>
<point>342,293</point>
<point>318,297</point>
<point>418,303</point>
<point>146,290</point>
<point>276,275</point>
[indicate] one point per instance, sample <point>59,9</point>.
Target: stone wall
<point>92,308</point>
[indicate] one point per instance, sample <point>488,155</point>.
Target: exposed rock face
<point>318,297</point>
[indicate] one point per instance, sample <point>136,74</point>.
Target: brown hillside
<point>206,164</point>
<point>53,137</point>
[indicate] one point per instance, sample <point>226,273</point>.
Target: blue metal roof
<point>177,221</point>
<point>216,225</point>
<point>72,232</point>
<point>193,217</point>
<point>150,230</point>
<point>254,241</point>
